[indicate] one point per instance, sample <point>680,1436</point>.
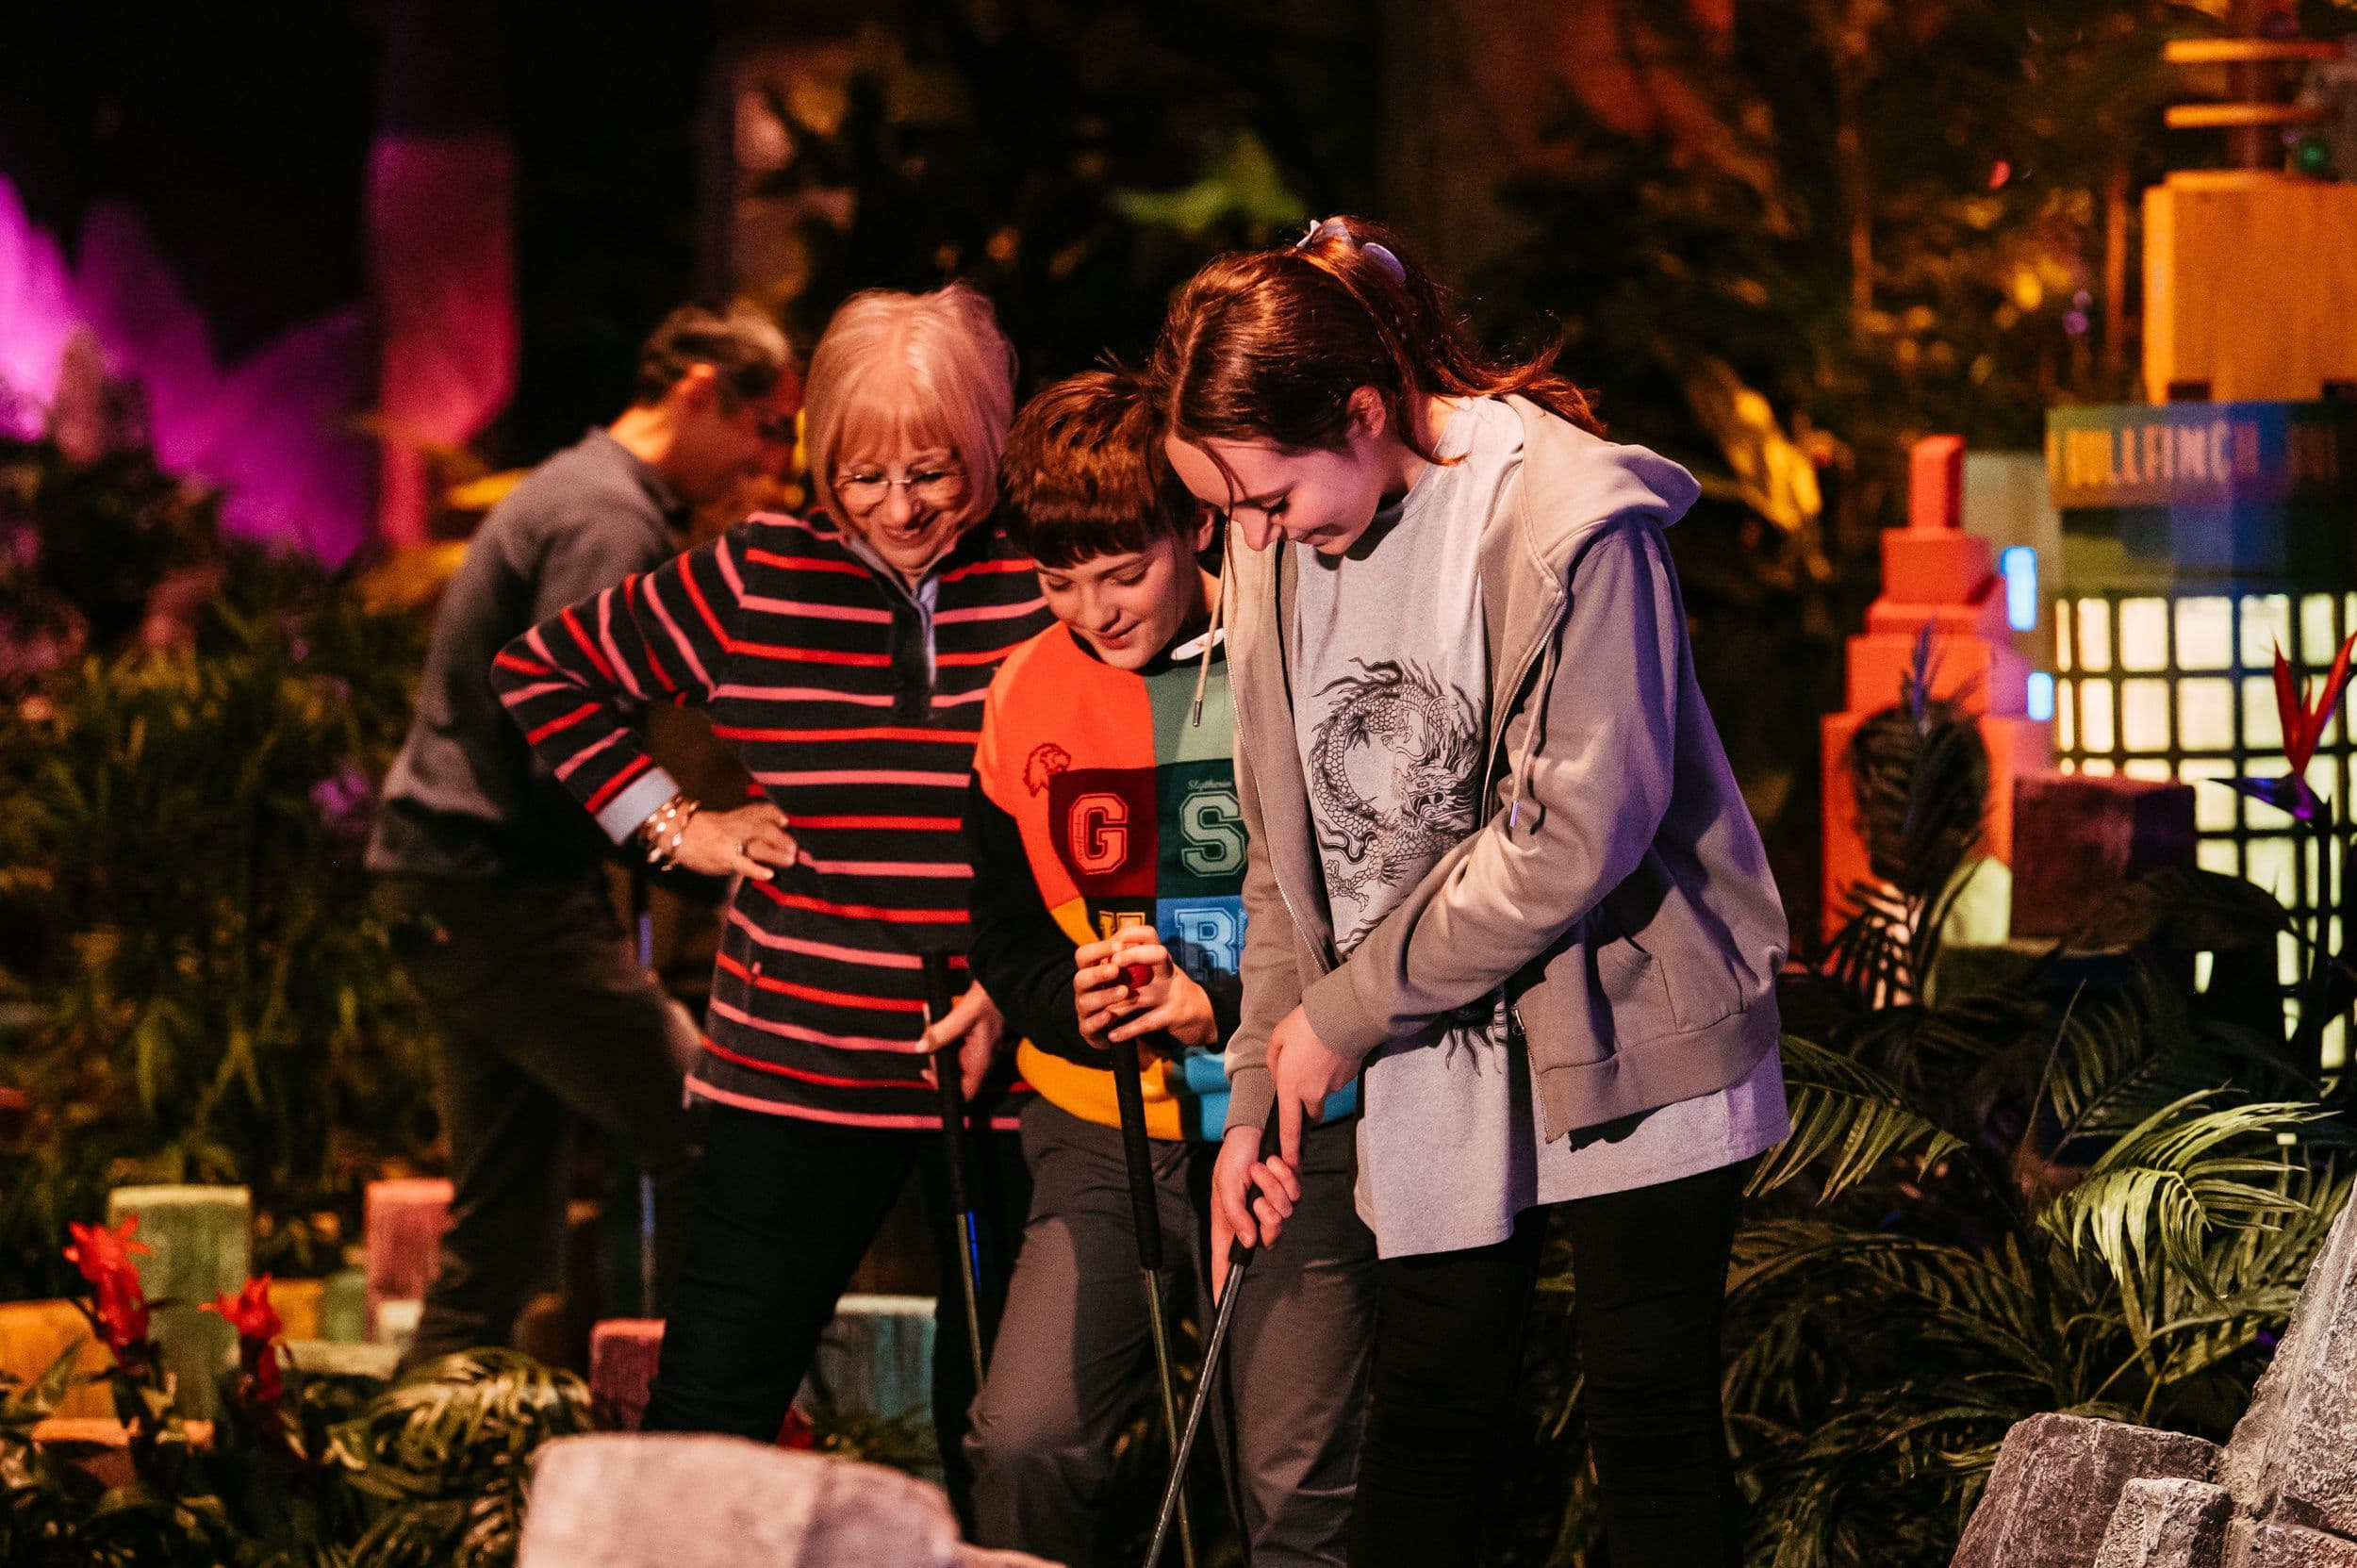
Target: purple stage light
<point>275,434</point>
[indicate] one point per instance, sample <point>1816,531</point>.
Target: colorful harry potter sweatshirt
<point>1095,804</point>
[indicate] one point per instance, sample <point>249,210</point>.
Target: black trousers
<point>546,1020</point>
<point>780,1213</point>
<point>1650,1274</point>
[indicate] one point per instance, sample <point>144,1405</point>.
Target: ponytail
<point>1269,345</point>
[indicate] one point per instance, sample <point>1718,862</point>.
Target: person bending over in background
<point>497,902</point>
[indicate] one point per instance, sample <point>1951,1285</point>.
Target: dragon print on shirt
<point>1394,770</point>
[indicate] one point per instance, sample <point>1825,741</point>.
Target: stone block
<point>2058,1479</point>
<point>1965,969</point>
<point>33,1334</point>
<point>1984,677</point>
<point>1935,483</point>
<point>297,1304</point>
<point>200,1245</point>
<point>100,1446</point>
<point>1935,565</point>
<point>397,1323</point>
<point>401,1224</point>
<point>1983,618</point>
<point>2079,838</point>
<point>877,1356</point>
<point>875,1359</point>
<point>623,1353</point>
<point>617,1500</point>
<point>199,1240</point>
<point>2015,746</point>
<point>2167,1524</point>
<point>2293,1457</point>
<point>2251,1543</point>
<point>344,1307</point>
<point>317,1357</point>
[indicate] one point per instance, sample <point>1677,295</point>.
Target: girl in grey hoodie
<point>1500,874</point>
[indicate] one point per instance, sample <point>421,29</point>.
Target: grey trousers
<point>545,1020</point>
<point>1074,1361</point>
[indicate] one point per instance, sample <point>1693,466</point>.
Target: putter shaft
<point>1240,1262</point>
<point>1145,1224</point>
<point>952,1092</point>
<point>1239,1265</point>
<point>1169,1384</point>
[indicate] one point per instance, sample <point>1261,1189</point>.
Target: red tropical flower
<point>118,1305</point>
<point>258,1330</point>
<point>2303,727</point>
<point>797,1432</point>
<point>249,1311</point>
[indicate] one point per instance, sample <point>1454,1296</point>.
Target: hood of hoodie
<point>1570,485</point>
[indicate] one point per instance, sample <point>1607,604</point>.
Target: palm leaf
<point>2122,1057</point>
<point>2185,909</point>
<point>2254,1275</point>
<point>2185,1173</point>
<point>1872,955</point>
<point>445,1450</point>
<point>1848,1117</point>
<point>1920,777</point>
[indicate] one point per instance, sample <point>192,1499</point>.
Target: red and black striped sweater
<point>817,669</point>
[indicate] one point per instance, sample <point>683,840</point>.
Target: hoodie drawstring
<point>1219,607</point>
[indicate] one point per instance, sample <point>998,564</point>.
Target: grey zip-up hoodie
<point>1618,890</point>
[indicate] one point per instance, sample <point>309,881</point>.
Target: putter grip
<point>945,1064</point>
<point>1237,1251</point>
<point>1136,1152</point>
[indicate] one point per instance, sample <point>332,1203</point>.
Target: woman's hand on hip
<point>976,1029</point>
<point>751,841</point>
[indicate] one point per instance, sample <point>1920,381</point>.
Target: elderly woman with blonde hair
<point>843,656</point>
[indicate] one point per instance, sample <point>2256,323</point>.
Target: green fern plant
<point>444,1454</point>
<point>194,989</point>
<point>2082,1189</point>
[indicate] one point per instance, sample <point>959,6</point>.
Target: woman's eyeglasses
<point>865,491</point>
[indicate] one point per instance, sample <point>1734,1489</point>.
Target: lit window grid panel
<point>2159,688</point>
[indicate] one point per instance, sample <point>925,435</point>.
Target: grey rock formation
<point>2254,1544</point>
<point>624,1500</point>
<point>2292,1458</point>
<point>2057,1480</point>
<point>2070,1492</point>
<point>2167,1524</point>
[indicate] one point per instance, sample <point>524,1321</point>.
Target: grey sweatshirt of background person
<point>464,798</point>
<point>1615,891</point>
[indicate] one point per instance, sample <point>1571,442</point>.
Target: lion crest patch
<point>1046,760</point>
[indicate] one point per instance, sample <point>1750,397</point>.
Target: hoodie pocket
<point>1633,985</point>
<point>1656,950</point>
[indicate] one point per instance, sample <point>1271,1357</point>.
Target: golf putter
<point>947,1079</point>
<point>1146,1221</point>
<point>1239,1265</point>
